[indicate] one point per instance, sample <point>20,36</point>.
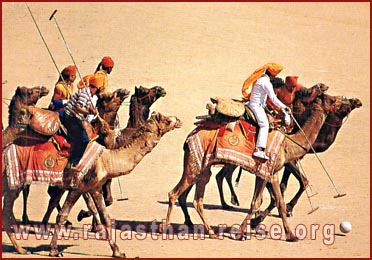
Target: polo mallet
<point>121,194</point>
<point>67,47</point>
<point>316,155</point>
<point>38,29</point>
<point>307,194</point>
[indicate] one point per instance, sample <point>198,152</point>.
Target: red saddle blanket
<point>43,163</point>
<point>209,145</point>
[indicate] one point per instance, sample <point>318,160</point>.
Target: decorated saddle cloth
<point>214,145</point>
<point>43,163</point>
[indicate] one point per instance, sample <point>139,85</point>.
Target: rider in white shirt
<point>262,88</point>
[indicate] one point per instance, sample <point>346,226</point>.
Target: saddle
<point>229,111</point>
<point>45,122</point>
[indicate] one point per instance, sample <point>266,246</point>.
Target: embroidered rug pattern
<point>212,146</point>
<point>43,163</point>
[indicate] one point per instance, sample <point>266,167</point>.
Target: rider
<point>262,88</point>
<point>63,89</point>
<point>104,68</point>
<point>81,104</point>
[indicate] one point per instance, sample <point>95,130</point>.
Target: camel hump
<point>45,122</point>
<point>228,106</point>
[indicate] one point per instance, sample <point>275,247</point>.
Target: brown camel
<point>327,136</point>
<point>18,118</point>
<point>139,111</point>
<point>108,106</point>
<point>325,139</point>
<point>304,96</point>
<point>23,96</point>
<point>288,151</point>
<point>104,168</point>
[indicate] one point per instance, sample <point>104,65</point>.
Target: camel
<point>23,96</point>
<point>18,118</point>
<point>139,111</point>
<point>103,168</point>
<point>108,106</point>
<point>286,94</point>
<point>288,152</point>
<point>325,139</point>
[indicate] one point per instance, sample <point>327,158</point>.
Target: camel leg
<point>284,181</point>
<point>260,217</point>
<point>72,197</point>
<point>106,190</point>
<point>234,198</point>
<point>198,200</point>
<point>226,172</point>
<point>9,220</point>
<point>92,209</point>
<point>186,181</point>
<point>290,237</point>
<point>25,193</point>
<point>255,203</point>
<point>99,201</point>
<point>55,194</point>
<point>182,201</point>
<point>302,180</point>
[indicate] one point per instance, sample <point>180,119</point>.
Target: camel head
<point>149,95</point>
<point>342,106</point>
<point>109,103</point>
<point>30,96</point>
<point>163,124</point>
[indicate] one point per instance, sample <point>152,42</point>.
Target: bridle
<point>148,96</point>
<point>339,101</point>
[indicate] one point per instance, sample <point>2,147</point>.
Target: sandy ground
<point>195,51</point>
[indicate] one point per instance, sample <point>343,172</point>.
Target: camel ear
<point>155,116</point>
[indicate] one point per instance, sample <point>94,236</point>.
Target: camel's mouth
<point>176,122</point>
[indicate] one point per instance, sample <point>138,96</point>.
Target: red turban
<point>107,62</point>
<point>69,71</point>
<point>291,81</point>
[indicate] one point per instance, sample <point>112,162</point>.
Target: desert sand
<point>197,51</point>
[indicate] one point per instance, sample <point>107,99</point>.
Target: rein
<point>148,95</point>
<point>339,125</point>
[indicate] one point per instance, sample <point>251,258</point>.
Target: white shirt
<point>262,89</point>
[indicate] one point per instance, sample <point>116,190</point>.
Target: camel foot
<point>55,253</point>
<point>25,220</point>
<point>83,214</point>
<point>234,200</point>
<point>119,255</point>
<point>22,251</point>
<point>291,238</point>
<point>161,228</point>
<point>108,201</point>
<point>189,223</point>
<point>289,210</point>
<point>255,222</point>
<point>211,234</point>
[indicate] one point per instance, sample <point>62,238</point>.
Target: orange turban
<point>107,62</point>
<point>97,81</point>
<point>69,71</point>
<point>273,68</point>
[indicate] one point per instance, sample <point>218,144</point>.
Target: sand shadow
<point>209,207</point>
